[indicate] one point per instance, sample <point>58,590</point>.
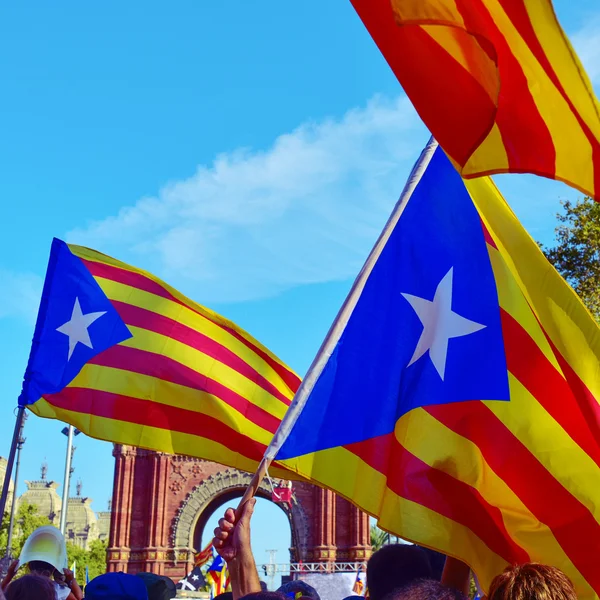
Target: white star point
<point>440,324</point>
<point>77,328</point>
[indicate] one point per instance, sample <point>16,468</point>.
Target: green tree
<point>94,559</point>
<point>576,255</point>
<point>27,520</point>
<point>378,537</point>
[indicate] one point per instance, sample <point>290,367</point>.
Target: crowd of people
<point>394,572</point>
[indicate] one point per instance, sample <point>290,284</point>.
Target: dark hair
<point>31,587</point>
<point>395,566</point>
<point>224,596</point>
<point>292,588</point>
<point>532,581</point>
<point>40,567</point>
<point>263,586</point>
<point>264,596</point>
<point>425,589</point>
<point>160,587</point>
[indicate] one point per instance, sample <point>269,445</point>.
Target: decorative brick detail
<point>160,504</point>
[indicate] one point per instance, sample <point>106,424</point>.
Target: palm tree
<point>378,537</point>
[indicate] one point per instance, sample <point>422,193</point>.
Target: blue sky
<point>248,153</point>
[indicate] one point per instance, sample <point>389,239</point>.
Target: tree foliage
<point>576,255</point>
<point>378,537</point>
<point>94,559</point>
<point>27,520</point>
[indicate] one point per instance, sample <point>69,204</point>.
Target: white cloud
<point>255,223</point>
<point>587,44</point>
<point>20,294</point>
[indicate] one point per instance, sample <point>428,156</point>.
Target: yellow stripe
<point>189,318</point>
<point>366,487</point>
<point>93,255</point>
<point>152,438</point>
<point>564,62</point>
<point>196,360</point>
<point>158,391</point>
<point>491,151</point>
<point>441,448</point>
<point>514,303</point>
<point>529,422</point>
<point>573,150</point>
<point>563,316</point>
<point>406,11</point>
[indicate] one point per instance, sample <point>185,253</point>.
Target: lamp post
<point>70,432</point>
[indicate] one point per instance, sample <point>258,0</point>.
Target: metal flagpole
<point>11,524</point>
<point>11,459</point>
<point>67,481</point>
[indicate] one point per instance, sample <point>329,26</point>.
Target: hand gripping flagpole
<point>11,459</point>
<point>338,326</point>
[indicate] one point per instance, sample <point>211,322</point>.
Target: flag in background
<point>359,586</point>
<point>475,369</point>
<point>497,82</point>
<point>124,357</point>
<point>202,557</point>
<point>193,581</point>
<point>218,576</point>
<point>87,575</point>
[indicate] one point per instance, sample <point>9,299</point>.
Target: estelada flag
<point>126,358</point>
<point>475,371</point>
<point>497,83</point>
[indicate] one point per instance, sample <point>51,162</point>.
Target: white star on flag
<point>440,324</point>
<point>77,328</point>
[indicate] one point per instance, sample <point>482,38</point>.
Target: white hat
<point>46,544</point>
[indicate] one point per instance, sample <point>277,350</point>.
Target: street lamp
<point>70,432</point>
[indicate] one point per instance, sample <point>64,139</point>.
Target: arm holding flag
<point>232,542</point>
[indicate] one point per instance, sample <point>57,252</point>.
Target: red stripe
<point>532,369</point>
<point>413,479</point>
<point>486,234</point>
<point>139,281</point>
<point>151,321</point>
<point>572,524</point>
<point>161,416</point>
<point>528,142</point>
<point>167,369</point>
<point>517,13</point>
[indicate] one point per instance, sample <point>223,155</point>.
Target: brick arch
<point>218,489</point>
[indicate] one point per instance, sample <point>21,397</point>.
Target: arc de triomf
<point>161,504</point>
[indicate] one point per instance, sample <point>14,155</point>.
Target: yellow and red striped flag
<point>126,358</point>
<point>497,83</point>
<point>202,557</point>
<point>456,396</point>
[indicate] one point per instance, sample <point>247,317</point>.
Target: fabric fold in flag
<point>497,83</point>
<point>126,358</point>
<point>455,397</point>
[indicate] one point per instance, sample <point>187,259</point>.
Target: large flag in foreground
<point>475,371</point>
<point>126,358</point>
<point>497,83</point>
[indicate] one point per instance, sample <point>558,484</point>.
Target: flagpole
<point>338,326</point>
<point>11,459</point>
<point>13,507</point>
<point>67,481</point>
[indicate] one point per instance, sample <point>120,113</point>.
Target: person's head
<point>224,596</point>
<point>425,589</point>
<point>159,587</point>
<point>532,581</point>
<point>395,566</point>
<point>39,567</point>
<point>31,587</point>
<point>263,586</point>
<point>264,596</point>
<point>294,590</point>
<point>116,586</point>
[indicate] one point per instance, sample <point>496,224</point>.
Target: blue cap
<point>116,586</point>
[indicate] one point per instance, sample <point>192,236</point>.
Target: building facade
<point>161,504</point>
